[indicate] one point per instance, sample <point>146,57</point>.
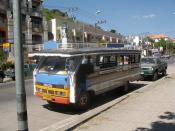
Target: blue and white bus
<point>73,76</point>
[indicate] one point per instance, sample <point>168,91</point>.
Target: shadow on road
<point>96,102</point>
<point>161,125</point>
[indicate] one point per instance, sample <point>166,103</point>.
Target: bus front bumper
<point>55,99</point>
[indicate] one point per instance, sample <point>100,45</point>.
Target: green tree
<point>47,14</point>
<point>50,14</point>
<point>113,31</point>
<point>148,39</point>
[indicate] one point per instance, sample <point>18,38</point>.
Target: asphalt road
<point>40,115</point>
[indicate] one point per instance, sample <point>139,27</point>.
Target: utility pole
<point>20,86</point>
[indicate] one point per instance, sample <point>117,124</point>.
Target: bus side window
<point>87,65</point>
<point>107,61</point>
<point>137,58</point>
<point>120,60</point>
<point>113,61</point>
<point>126,60</point>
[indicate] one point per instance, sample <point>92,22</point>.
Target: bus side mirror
<point>67,65</point>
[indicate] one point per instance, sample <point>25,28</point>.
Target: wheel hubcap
<point>83,100</point>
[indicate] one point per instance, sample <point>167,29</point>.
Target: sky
<point>128,17</point>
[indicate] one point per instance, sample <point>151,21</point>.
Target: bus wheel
<point>83,101</point>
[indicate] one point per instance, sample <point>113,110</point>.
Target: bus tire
<point>83,101</point>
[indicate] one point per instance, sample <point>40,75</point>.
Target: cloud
<point>150,16</point>
<point>173,13</point>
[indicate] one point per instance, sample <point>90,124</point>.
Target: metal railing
<point>80,45</point>
<point>39,47</point>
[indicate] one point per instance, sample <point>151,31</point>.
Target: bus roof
<point>82,52</point>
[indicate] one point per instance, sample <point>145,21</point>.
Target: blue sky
<point>126,16</point>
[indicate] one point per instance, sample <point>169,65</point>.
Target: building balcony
<point>3,7</point>
<point>36,12</point>
<point>37,29</point>
<point>3,24</point>
<point>24,26</point>
<point>36,39</point>
<point>36,42</point>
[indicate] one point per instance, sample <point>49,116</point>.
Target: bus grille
<point>51,92</point>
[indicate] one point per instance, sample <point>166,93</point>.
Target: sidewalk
<point>148,110</point>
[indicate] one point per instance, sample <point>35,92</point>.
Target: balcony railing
<point>37,29</point>
<point>36,12</point>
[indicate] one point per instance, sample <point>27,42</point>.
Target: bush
<point>7,65</point>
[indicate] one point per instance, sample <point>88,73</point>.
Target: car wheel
<point>83,101</point>
<point>164,72</point>
<point>155,76</point>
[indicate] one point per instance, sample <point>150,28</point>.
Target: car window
<point>148,60</point>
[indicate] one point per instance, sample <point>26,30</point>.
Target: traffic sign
<point>6,45</point>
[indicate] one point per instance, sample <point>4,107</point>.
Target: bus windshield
<point>52,65</point>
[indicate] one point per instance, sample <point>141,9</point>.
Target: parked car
<point>153,67</point>
<point>2,76</point>
<point>28,71</point>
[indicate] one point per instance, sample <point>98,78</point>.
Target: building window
<point>2,18</point>
<point>2,37</point>
<point>36,23</point>
<point>37,39</point>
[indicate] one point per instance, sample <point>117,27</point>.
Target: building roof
<point>173,40</point>
<point>158,36</point>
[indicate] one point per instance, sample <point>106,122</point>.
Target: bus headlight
<point>59,93</point>
<point>38,89</point>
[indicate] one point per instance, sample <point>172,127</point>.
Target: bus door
<point>76,76</point>
<point>84,69</point>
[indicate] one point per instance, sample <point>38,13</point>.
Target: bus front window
<point>53,65</point>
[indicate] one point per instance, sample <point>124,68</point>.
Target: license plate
<point>47,97</point>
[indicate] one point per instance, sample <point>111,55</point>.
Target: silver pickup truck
<point>153,67</point>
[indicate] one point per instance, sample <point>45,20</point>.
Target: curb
<point>74,121</point>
